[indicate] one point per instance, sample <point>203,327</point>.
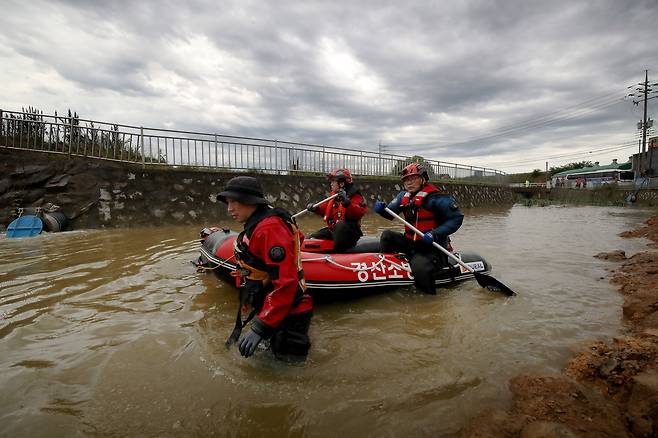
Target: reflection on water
<point>114,333</point>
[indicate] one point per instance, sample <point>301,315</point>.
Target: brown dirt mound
<point>650,231</point>
<point>614,256</point>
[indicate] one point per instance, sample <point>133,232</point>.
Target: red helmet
<point>342,174</point>
<point>414,169</point>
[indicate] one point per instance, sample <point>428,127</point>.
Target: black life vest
<point>254,274</point>
<point>414,212</point>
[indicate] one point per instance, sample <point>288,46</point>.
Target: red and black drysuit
<point>272,282</point>
<point>428,210</point>
<point>343,221</point>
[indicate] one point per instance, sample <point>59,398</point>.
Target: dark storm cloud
<point>422,78</point>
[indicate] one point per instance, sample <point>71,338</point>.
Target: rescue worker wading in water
<point>343,213</point>
<point>434,213</point>
<point>270,274</point>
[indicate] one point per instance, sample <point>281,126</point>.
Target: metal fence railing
<point>150,146</point>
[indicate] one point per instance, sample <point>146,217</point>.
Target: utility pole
<point>643,95</point>
<point>644,119</point>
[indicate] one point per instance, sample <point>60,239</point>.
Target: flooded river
<point>113,333</point>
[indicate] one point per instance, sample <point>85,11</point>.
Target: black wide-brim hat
<point>244,189</point>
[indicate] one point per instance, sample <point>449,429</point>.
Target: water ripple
<point>114,331</point>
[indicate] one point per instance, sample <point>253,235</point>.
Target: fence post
<point>141,146</point>
<point>216,163</point>
<point>2,125</point>
<point>70,133</point>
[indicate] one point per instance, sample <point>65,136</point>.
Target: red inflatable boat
<point>362,269</point>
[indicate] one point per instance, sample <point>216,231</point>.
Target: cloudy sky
<point>501,84</point>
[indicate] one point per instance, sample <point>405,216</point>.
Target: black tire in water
<point>54,222</point>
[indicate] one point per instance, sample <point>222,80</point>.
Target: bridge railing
<point>73,136</point>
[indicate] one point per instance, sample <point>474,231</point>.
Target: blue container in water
<point>25,226</point>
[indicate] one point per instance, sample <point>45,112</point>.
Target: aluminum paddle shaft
<point>315,205</point>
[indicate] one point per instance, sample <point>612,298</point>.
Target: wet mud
<point>608,389</point>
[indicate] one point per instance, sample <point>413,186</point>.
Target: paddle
<point>484,280</point>
<point>315,205</point>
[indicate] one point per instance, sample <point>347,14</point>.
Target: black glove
<point>249,342</point>
<point>311,207</point>
<point>343,198</point>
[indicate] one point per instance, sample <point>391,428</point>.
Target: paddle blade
<point>492,284</point>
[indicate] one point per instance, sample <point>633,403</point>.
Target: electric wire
<point>577,153</point>
<point>567,113</point>
<point>563,158</point>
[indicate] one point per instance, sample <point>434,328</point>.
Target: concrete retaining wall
<point>97,194</point>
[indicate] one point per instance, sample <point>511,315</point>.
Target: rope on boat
<point>201,268</point>
<point>395,265</point>
<point>327,258</point>
<point>349,268</point>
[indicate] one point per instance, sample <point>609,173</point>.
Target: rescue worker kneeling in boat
<point>434,213</point>
<point>270,275</point>
<point>343,213</point>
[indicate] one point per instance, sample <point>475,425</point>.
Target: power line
<point>527,127</point>
<point>583,112</point>
<point>571,156</point>
<point>644,91</point>
<point>577,153</point>
<point>564,114</point>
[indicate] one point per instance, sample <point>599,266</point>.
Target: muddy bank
<point>603,195</point>
<point>610,389</point>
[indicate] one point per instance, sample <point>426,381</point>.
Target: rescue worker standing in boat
<point>270,273</point>
<point>343,213</point>
<point>434,213</point>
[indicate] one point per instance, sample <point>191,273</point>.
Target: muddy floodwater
<point>113,333</point>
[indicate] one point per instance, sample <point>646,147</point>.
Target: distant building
<point>594,176</point>
<point>646,163</point>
